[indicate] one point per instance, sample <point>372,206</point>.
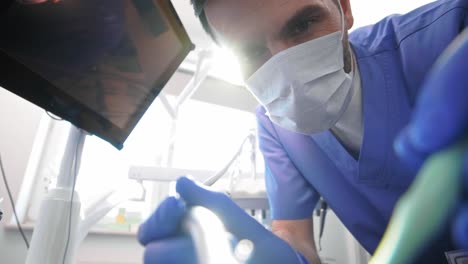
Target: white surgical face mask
<point>305,88</point>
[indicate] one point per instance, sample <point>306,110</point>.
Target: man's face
<point>256,30</point>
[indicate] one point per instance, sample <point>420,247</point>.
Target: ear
<point>348,13</point>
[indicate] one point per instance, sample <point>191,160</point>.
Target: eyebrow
<point>305,12</point>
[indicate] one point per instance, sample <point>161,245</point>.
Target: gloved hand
<point>441,119</point>
<point>164,242</point>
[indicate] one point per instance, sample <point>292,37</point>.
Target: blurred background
<point>210,128</point>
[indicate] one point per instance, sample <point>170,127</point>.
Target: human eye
<point>299,28</point>
<point>302,23</point>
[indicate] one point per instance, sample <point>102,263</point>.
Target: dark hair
<point>199,8</point>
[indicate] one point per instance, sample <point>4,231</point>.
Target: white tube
<point>59,216</point>
<point>201,72</point>
<point>51,229</point>
<point>167,105</point>
<point>72,154</point>
<point>213,179</point>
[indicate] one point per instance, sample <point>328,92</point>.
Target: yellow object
<point>120,218</point>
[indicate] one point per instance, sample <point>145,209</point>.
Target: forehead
<point>235,20</point>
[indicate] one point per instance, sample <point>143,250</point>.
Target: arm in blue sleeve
<point>291,196</point>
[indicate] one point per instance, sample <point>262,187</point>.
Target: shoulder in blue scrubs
<point>394,57</point>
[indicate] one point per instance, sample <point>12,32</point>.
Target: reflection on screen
<point>457,257</point>
<point>112,56</point>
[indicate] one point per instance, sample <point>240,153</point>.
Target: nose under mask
<point>305,88</point>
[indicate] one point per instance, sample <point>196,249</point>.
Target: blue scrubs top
<point>394,57</point>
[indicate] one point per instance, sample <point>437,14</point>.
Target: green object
<point>421,212</point>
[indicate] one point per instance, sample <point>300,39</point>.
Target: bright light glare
<point>226,67</point>
<point>209,236</point>
<point>365,12</point>
<point>208,135</point>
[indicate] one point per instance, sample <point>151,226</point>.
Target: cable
<point>214,178</point>
<point>71,206</point>
<point>79,147</point>
<point>53,117</point>
<point>13,204</point>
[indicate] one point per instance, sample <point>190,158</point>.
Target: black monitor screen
<point>96,63</point>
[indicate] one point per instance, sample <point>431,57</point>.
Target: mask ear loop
<point>343,28</point>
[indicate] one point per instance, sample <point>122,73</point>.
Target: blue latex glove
<point>164,242</point>
<point>441,119</point>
